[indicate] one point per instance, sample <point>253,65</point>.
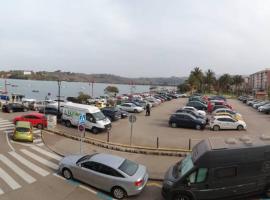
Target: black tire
<point>198,127</point>
<point>216,128</point>
<point>10,111</point>
<point>182,196</point>
<point>94,130</point>
<point>240,127</point>
<point>39,126</point>
<point>68,124</point>
<point>24,110</point>
<point>67,174</point>
<point>118,192</point>
<point>136,111</point>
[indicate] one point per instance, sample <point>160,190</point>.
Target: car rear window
<point>22,129</point>
<point>129,167</point>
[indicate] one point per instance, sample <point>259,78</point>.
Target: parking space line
<point>29,164</point>
<point>29,179</point>
<point>9,180</point>
<point>46,153</point>
<point>40,159</point>
<point>40,144</point>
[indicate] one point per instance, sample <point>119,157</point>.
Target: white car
<point>130,107</point>
<point>226,122</point>
<point>200,112</point>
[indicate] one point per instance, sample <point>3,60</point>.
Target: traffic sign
<point>81,128</point>
<point>132,119</point>
<point>82,118</point>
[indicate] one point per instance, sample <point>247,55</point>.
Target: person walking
<point>148,109</point>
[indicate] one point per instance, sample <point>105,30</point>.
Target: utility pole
<point>58,97</point>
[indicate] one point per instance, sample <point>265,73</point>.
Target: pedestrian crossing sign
<point>82,118</point>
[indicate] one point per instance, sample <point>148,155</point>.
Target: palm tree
<point>224,82</point>
<point>237,81</point>
<point>209,79</point>
<point>196,78</point>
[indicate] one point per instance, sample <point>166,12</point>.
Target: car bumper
<point>23,138</point>
<point>136,191</point>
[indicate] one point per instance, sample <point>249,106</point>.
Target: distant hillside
<point>98,78</point>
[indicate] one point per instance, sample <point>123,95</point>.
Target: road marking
<point>21,143</point>
<point>37,131</point>
<point>40,159</point>
<point>29,179</point>
<point>29,164</point>
<point>37,140</point>
<point>7,128</point>
<point>88,189</point>
<point>9,180</point>
<point>6,125</point>
<point>46,153</point>
<point>11,147</point>
<point>40,144</point>
<point>155,184</point>
<point>1,191</point>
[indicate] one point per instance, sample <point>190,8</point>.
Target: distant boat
<point>35,91</point>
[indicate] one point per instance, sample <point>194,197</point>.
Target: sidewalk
<point>156,165</point>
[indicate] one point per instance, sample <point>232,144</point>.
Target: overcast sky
<point>135,38</point>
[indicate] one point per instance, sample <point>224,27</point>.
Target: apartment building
<point>259,81</point>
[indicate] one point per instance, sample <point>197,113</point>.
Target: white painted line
<point>4,120</point>
<point>47,153</point>
<point>88,189</point>
<point>11,147</point>
<point>3,124</point>
<point>37,140</point>
<point>9,180</point>
<point>58,176</point>
<point>29,164</point>
<point>21,143</point>
<point>7,128</point>
<point>9,131</point>
<point>40,144</point>
<point>37,131</point>
<point>40,159</point>
<point>29,179</point>
<point>1,191</point>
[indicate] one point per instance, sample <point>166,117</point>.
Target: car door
<point>90,120</point>
<point>231,123</point>
<point>187,121</point>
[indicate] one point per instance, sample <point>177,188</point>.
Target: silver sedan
<point>114,174</point>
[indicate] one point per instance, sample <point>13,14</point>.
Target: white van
<point>95,120</point>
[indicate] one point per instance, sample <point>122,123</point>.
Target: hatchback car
<point>226,122</point>
<point>130,107</point>
<point>200,112</point>
<point>23,131</point>
<point>227,110</point>
<point>111,113</point>
<point>187,121</point>
<point>14,107</point>
<point>114,174</point>
<point>36,119</point>
<point>197,104</point>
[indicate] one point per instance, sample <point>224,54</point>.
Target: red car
<point>213,103</point>
<point>38,120</point>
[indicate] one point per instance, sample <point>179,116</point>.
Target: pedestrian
<point>148,110</point>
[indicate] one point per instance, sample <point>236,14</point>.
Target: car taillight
<point>138,183</point>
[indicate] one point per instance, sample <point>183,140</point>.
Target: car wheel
<point>181,196</point>
<point>118,193</point>
<point>173,125</point>
<point>136,111</point>
<point>10,111</point>
<point>67,173</point>
<point>198,127</point>
<point>240,127</point>
<point>40,126</point>
<point>68,124</point>
<point>94,130</point>
<point>24,110</point>
<point>216,128</point>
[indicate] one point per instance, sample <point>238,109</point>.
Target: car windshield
<point>99,116</point>
<point>129,167</point>
<point>186,165</point>
<point>22,129</point>
<point>86,157</point>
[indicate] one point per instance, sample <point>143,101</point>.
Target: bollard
<point>157,142</point>
<point>108,136</point>
<point>189,144</point>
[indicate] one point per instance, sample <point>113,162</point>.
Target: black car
<point>186,120</point>
<point>111,113</point>
<point>14,107</point>
<point>198,105</point>
<point>51,111</point>
<point>193,113</point>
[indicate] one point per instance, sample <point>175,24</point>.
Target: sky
<point>135,38</point>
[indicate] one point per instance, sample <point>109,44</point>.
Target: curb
<point>126,148</point>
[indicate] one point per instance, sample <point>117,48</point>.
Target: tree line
<point>207,82</point>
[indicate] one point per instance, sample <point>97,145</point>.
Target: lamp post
<point>92,88</point>
<point>58,97</point>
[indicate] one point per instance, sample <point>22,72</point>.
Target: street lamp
<point>92,90</point>
<point>58,97</point>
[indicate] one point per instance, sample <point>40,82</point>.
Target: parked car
<point>234,116</point>
<point>193,113</point>
<point>14,107</point>
<point>200,112</point>
<point>226,110</point>
<point>226,122</point>
<point>36,119</point>
<point>23,131</point>
<point>197,104</point>
<point>130,107</point>
<point>48,110</point>
<point>220,169</point>
<point>111,113</point>
<point>110,173</point>
<point>187,121</point>
<point>257,105</point>
<point>265,108</point>
<point>219,106</point>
